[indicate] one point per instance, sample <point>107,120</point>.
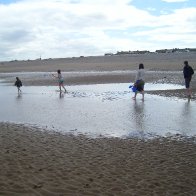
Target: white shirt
<point>140,75</point>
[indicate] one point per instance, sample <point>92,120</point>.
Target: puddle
<point>104,109</point>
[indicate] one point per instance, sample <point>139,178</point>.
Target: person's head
<point>141,66</point>
<point>186,63</point>
<point>58,71</point>
<point>17,78</point>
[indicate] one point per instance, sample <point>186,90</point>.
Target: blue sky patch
<point>8,1</point>
<point>159,7</point>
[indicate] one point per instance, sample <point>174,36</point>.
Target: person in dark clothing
<point>18,84</point>
<point>188,72</point>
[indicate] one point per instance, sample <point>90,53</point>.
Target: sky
<point>30,29</point>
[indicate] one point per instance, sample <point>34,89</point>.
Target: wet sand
<point>180,93</point>
<point>35,162</point>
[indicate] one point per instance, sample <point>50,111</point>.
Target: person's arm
<point>192,71</point>
<point>184,72</point>
<point>54,76</point>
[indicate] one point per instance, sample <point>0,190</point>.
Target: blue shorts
<point>61,81</point>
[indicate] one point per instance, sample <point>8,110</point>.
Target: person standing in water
<point>18,84</point>
<point>139,81</point>
<point>60,80</point>
<point>187,72</point>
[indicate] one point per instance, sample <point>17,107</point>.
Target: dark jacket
<point>188,71</point>
<point>18,83</point>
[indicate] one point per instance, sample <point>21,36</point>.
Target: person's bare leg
<point>64,88</point>
<point>142,95</point>
<point>134,98</point>
<point>19,90</point>
<point>189,92</point>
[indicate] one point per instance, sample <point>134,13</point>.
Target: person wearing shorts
<point>60,80</point>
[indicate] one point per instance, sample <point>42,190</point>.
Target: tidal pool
<point>103,109</point>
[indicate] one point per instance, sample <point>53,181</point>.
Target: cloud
<point>63,28</point>
<point>178,29</point>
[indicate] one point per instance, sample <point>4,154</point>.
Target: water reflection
<point>186,109</point>
<point>187,114</point>
<point>84,110</point>
<point>139,115</point>
<point>61,95</point>
<point>19,96</point>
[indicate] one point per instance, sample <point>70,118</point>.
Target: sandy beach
<point>35,161</point>
<point>152,61</point>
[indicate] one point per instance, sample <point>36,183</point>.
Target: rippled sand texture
<point>41,163</point>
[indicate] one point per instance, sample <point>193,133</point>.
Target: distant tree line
<point>174,50</point>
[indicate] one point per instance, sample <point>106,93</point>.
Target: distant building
<point>176,50</point>
<point>109,54</point>
<point>191,49</point>
<point>132,52</point>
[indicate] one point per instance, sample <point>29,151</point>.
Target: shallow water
<point>105,109</point>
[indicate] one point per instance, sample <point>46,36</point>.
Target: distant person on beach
<point>188,72</point>
<point>60,80</point>
<point>139,81</point>
<point>18,84</point>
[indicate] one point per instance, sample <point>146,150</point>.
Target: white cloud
<point>176,27</point>
<point>78,27</point>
